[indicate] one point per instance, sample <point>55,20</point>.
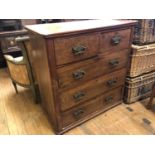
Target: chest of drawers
<point>80,67</point>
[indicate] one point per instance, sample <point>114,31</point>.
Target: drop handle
<point>114,62</point>
<point>111,82</point>
<point>116,40</point>
<point>109,99</point>
<point>79,95</point>
<point>77,114</point>
<point>79,74</point>
<point>78,50</point>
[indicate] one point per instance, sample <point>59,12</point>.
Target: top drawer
<point>115,40</point>
<point>71,49</point>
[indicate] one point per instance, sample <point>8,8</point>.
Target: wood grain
<point>107,44</point>
<point>63,48</point>
<point>92,106</point>
<point>57,45</point>
<point>92,68</point>
<point>19,115</point>
<point>57,29</point>
<point>91,89</point>
<point>40,60</point>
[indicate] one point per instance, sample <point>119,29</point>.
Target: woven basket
<point>139,87</point>
<point>142,60</point>
<point>144,32</point>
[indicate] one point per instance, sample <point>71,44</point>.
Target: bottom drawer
<point>88,108</point>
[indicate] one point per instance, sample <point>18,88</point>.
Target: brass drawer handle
<point>116,40</point>
<point>78,50</point>
<point>78,96</point>
<point>79,74</point>
<point>114,62</point>
<point>109,99</point>
<point>111,82</point>
<point>77,114</point>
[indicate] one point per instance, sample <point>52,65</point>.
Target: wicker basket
<point>144,32</point>
<point>142,60</point>
<point>139,87</point>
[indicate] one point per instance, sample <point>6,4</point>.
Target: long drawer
<point>72,49</point>
<point>100,103</point>
<point>115,40</point>
<point>92,88</point>
<point>89,69</point>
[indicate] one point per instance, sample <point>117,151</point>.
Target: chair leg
<point>148,106</point>
<point>15,86</point>
<point>35,92</point>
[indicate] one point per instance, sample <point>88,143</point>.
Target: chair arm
<point>17,61</point>
<point>22,39</point>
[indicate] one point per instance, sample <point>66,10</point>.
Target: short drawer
<point>98,104</point>
<point>72,49</point>
<point>115,40</point>
<point>95,87</point>
<point>89,69</point>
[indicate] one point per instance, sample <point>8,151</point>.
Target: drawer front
<point>69,50</point>
<point>95,87</point>
<point>98,104</point>
<point>115,40</point>
<point>89,69</point>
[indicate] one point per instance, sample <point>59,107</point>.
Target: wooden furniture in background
<point>20,68</point>
<point>9,30</point>
<point>2,59</point>
<point>29,21</point>
<point>80,67</point>
<point>10,24</point>
<point>8,44</point>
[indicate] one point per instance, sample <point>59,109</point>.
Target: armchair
<point>20,68</point>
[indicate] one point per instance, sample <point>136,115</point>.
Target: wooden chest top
<point>56,29</point>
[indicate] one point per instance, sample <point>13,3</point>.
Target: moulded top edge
<point>52,29</point>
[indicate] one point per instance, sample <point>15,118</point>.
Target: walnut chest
<point>81,68</point>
